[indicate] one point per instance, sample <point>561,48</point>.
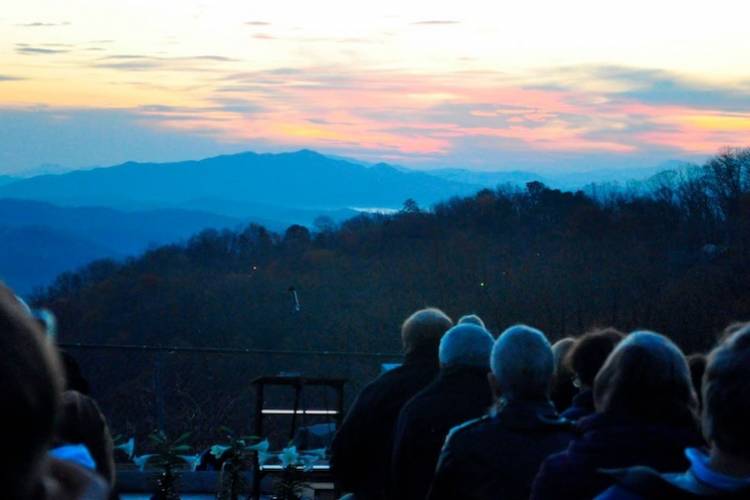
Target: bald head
<point>424,329</point>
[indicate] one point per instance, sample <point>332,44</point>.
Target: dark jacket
<point>646,483</point>
<point>459,394</point>
<point>562,394</point>
<point>361,450</point>
<point>498,456</point>
<point>610,442</point>
<point>582,406</point>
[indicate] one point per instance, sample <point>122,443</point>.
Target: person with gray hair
<point>645,407</point>
<point>724,472</point>
<point>499,454</point>
<point>471,319</point>
<point>361,450</point>
<point>460,393</point>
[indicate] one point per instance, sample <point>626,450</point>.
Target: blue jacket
<point>637,483</point>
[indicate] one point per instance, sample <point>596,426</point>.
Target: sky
<point>534,85</point>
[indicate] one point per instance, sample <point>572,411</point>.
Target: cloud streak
<point>30,50</point>
<point>436,22</point>
<point>140,62</point>
<point>39,24</point>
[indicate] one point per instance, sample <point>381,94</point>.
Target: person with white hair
<point>723,472</point>
<point>460,393</point>
<point>471,319</point>
<point>499,454</point>
<point>361,450</point>
<point>645,415</point>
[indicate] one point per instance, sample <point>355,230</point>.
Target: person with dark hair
<point>724,472</point>
<point>74,379</point>
<point>82,423</point>
<point>32,378</point>
<point>460,393</point>
<point>361,450</point>
<point>498,455</point>
<point>697,365</point>
<point>563,390</point>
<point>645,416</point>
<point>585,359</point>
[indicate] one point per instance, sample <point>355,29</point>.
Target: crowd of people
<point>466,416</point>
<point>607,415</point>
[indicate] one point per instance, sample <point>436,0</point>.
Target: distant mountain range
<point>304,179</point>
<point>61,221</point>
<point>6,179</point>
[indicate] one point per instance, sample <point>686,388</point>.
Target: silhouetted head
<point>645,377</point>
<point>471,319</point>
<point>522,364</point>
<point>424,329</point>
<point>562,390</point>
<point>590,351</point>
<point>726,395</point>
<point>32,380</point>
<point>560,349</point>
<point>82,422</point>
<point>466,345</point>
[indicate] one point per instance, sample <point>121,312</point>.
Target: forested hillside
<point>559,260</point>
<point>675,260</point>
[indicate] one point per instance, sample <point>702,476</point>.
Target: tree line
<point>673,258</point>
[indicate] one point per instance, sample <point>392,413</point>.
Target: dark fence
<point>185,389</point>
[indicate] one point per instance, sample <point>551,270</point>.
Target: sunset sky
<point>538,85</point>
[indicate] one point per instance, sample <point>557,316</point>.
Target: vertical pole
<point>258,431</point>
<point>297,397</point>
<point>159,392</point>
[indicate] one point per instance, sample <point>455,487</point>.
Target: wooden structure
<point>297,384</point>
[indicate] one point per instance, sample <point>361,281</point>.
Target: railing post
<point>159,391</point>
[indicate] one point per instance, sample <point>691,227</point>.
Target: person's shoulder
<point>466,431</point>
<point>643,482</point>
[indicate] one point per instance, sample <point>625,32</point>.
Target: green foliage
<point>170,457</point>
<point>290,485</point>
<point>237,454</point>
